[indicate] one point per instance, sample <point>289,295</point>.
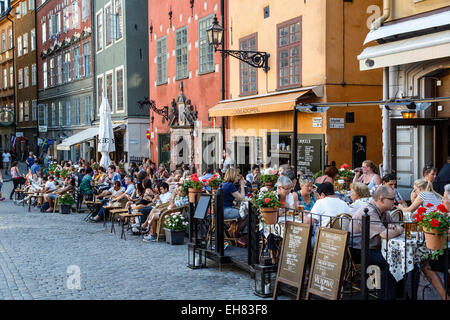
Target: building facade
<point>25,55</point>
<point>410,43</point>
<point>65,75</point>
<point>121,71</point>
<point>186,78</point>
<point>312,48</point>
<point>8,112</point>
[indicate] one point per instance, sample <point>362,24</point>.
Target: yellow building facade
<point>313,47</point>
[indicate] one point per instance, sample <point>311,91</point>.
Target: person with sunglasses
<point>284,188</point>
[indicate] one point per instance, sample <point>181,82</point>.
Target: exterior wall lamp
<point>256,59</point>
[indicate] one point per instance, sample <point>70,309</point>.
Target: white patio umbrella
<point>105,133</point>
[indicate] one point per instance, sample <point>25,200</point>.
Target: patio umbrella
<point>105,133</point>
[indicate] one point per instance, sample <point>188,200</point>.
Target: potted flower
<point>269,178</point>
<point>214,182</point>
<point>52,168</point>
<point>193,186</point>
<point>66,203</point>
<point>57,173</point>
<point>64,174</point>
<point>435,225</point>
<point>344,173</point>
<point>268,204</point>
<point>175,227</point>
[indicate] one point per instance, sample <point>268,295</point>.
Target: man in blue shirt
<point>30,160</point>
<point>35,167</point>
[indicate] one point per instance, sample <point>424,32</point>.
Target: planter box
<point>174,237</point>
<point>65,209</point>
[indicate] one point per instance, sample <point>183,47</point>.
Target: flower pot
<point>270,215</point>
<point>434,239</point>
<point>194,195</point>
<point>65,209</point>
<point>174,237</point>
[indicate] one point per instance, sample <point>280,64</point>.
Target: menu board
<point>309,153</point>
<point>291,267</point>
<point>328,263</point>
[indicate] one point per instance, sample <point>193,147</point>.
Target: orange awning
<point>272,103</point>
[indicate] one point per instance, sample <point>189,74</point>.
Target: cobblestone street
<point>37,250</point>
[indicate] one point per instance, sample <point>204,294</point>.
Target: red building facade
<point>180,56</point>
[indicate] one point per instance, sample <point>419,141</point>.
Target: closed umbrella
<point>105,133</point>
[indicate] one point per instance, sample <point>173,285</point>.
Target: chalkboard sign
<point>325,278</point>
<point>202,207</point>
<point>309,153</point>
<point>291,266</point>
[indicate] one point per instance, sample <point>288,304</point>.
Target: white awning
<point>82,136</point>
<point>426,47</point>
<point>408,26</point>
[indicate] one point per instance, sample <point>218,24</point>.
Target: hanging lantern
<point>265,275</point>
<point>196,257</point>
<point>408,114</point>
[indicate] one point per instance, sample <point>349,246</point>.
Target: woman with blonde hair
<point>230,193</point>
<point>360,195</point>
<point>425,195</point>
<point>369,174</point>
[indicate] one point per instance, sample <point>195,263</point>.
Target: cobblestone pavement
<point>37,251</point>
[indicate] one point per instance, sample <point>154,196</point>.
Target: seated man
<point>381,227</point>
<point>69,186</point>
<point>126,196</point>
<point>153,217</point>
<point>106,195</point>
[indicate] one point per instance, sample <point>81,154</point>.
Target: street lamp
<point>257,59</point>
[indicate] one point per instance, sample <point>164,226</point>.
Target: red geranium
<point>267,200</point>
<point>442,208</point>
<point>434,223</point>
<point>421,210</point>
<point>345,166</point>
<point>418,217</point>
<point>429,205</point>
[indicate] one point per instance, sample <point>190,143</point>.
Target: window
<point>181,52</point>
<point>26,111</point>
<point>75,15</point>
<point>44,73</point>
<point>248,74</point>
<point>59,69</point>
<point>99,31</point>
<point>43,114</point>
<point>84,10</point>
<point>25,43</point>
<point>34,110</point>
<point>289,50</point>
<point>68,113</point>
<point>87,59</point>
<point>11,76</point>
<point>66,19</point>
<point>61,112</point>
<point>87,110</point>
<point>161,60</point>
<point>18,9</point>
<point>119,18</point>
<point>33,39</point>
<point>19,46</point>
<point>52,72</point>
<point>10,39</point>
<point>76,120</point>
<point>26,77</point>
<point>33,74</point>
<point>119,90</point>
<point>24,8</point>
<point>53,116</point>
<point>205,51</point>
<point>109,25</point>
<point>57,27</point>
<point>67,61</point>
<point>5,78</point>
<point>51,23</point>
<point>109,89</point>
<point>99,91</point>
<point>44,32</point>
<point>77,62</point>
<point>20,78</point>
<point>20,111</point>
<point>31,5</point>
<point>3,41</point>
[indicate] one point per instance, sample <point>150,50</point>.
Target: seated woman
<point>106,196</point>
<point>306,195</point>
<point>369,174</point>
<point>429,174</point>
<point>87,185</point>
<point>425,194</point>
<point>230,193</point>
<point>69,186</point>
<point>330,175</point>
<point>360,195</point>
<point>284,188</point>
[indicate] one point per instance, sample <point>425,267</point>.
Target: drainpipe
<point>386,124</point>
<point>387,8</point>
<point>222,9</point>
<point>8,11</point>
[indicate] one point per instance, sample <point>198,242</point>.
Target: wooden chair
<point>163,215</point>
<point>397,215</point>
<point>340,221</point>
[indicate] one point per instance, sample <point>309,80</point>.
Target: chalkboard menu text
<point>309,153</point>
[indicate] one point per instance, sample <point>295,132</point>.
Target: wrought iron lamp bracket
<point>257,59</point>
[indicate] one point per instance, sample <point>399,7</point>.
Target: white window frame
<point>123,88</point>
<point>5,78</point>
<point>116,22</point>
<point>33,39</point>
<point>68,113</point>
<point>20,111</point>
<point>111,21</point>
<point>90,59</point>
<point>59,69</point>
<point>98,98</point>
<point>20,78</point>
<point>44,74</point>
<point>26,77</point>
<point>84,7</point>
<point>77,111</point>
<point>3,40</point>
<point>31,5</point>
<point>25,43</point>
<point>11,76</point>
<point>88,108</point>
<point>26,110</point>
<point>34,110</point>
<point>24,8</point>
<point>44,32</point>
<point>19,46</point>
<point>76,63</point>
<point>61,120</point>
<point>76,13</point>
<point>33,74</point>
<point>112,104</point>
<point>10,38</point>
<point>99,34</point>
<point>67,19</point>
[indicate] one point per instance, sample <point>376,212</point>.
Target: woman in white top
<point>360,195</point>
<point>425,195</point>
<point>284,188</point>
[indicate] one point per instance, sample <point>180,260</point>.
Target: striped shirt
<point>429,197</point>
